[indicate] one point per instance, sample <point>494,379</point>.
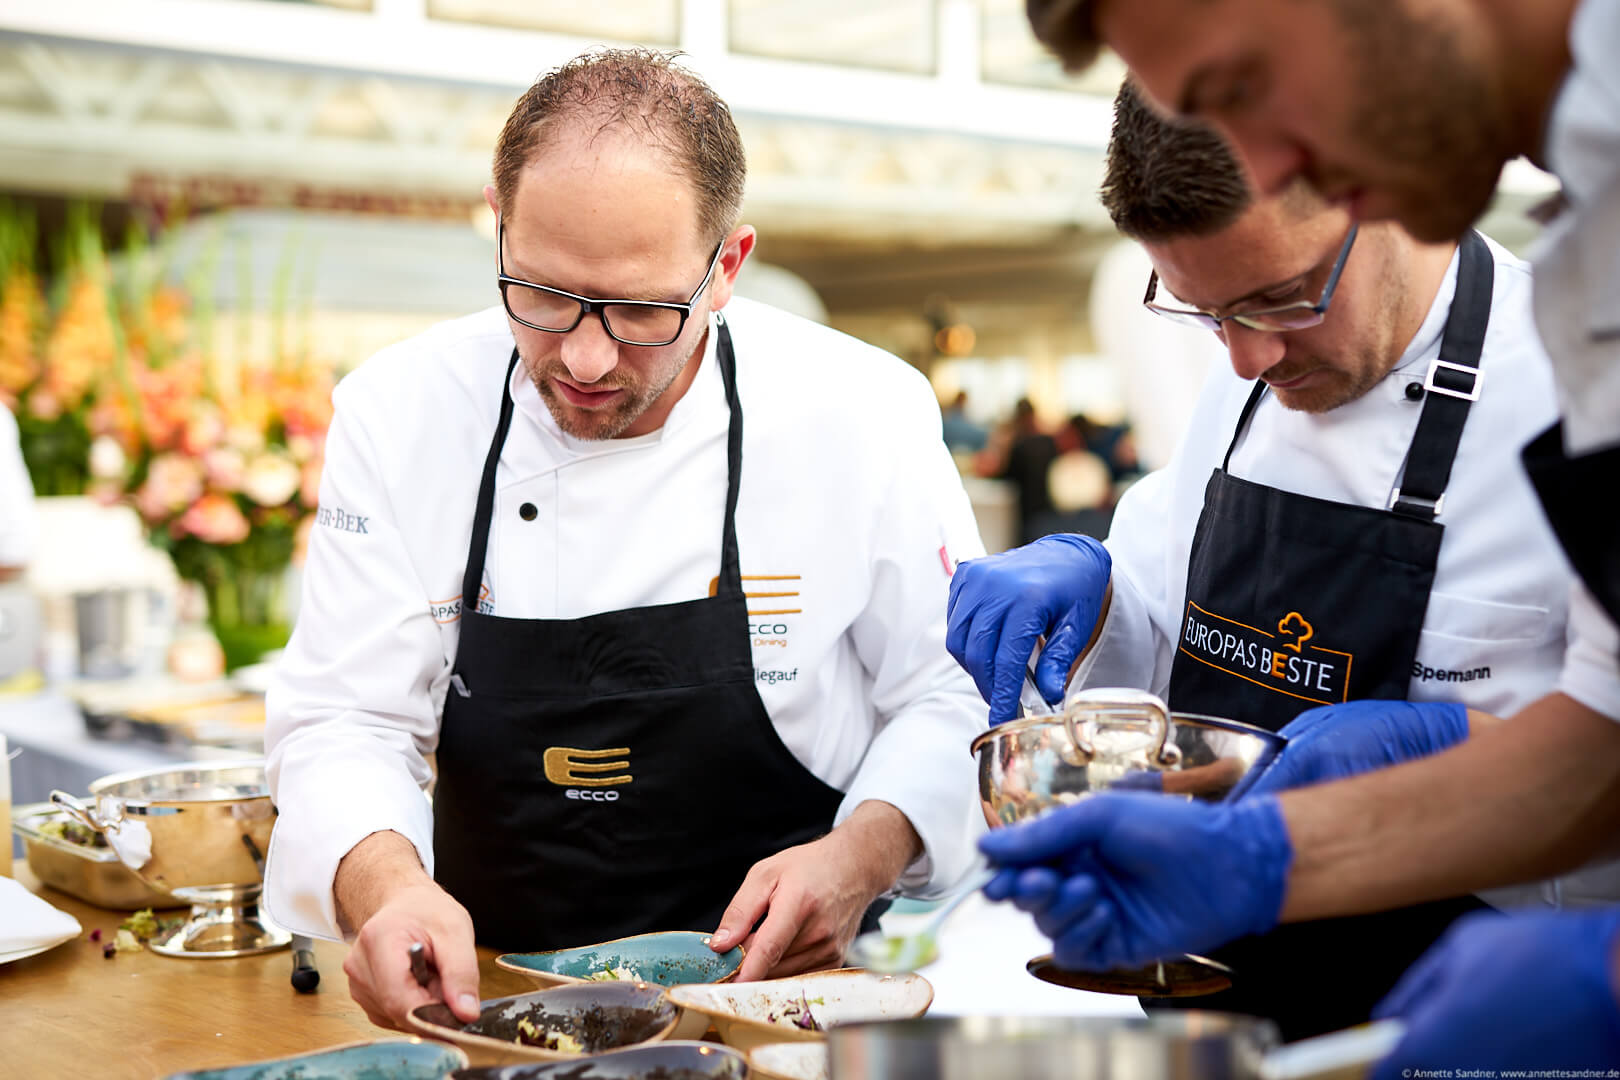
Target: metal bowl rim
<point>100,785</point>
<point>1027,723</point>
<point>1178,1023</point>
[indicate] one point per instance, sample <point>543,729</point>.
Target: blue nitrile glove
<point>1342,740</point>
<point>1531,990</point>
<point>1000,604</point>
<point>1121,879</point>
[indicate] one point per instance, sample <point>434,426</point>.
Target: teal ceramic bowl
<point>663,1061</point>
<point>390,1059</point>
<point>666,958</point>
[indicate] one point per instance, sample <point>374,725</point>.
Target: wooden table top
<point>72,1012</point>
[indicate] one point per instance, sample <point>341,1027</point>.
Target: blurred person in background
<point>1343,522</point>
<point>536,527</point>
<point>1022,453</point>
<point>962,435</point>
<point>1409,111</point>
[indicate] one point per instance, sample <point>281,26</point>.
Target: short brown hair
<point>648,92</point>
<point>1167,178</point>
<point>1068,28</point>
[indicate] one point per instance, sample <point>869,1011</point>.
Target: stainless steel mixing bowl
<point>1113,738</point>
<point>198,831</point>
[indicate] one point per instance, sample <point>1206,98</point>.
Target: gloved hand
<point>1532,990</point>
<point>1000,604</point>
<point>1342,740</point>
<point>1121,879</point>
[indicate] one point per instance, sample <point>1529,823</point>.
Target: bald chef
<point>663,588</point>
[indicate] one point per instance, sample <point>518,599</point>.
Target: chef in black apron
<point>715,790</point>
<point>1261,555</point>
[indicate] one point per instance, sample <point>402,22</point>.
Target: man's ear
<point>490,197</point>
<point>732,256</point>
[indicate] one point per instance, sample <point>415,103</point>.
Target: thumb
<point>457,964</point>
<point>1052,669</point>
<point>1060,833</point>
<point>746,907</point>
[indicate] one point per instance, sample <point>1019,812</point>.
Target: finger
<point>771,941</point>
<point>981,637</point>
<point>1075,898</point>
<point>745,909</point>
<point>799,960</point>
<point>382,1004</point>
<point>1035,888</point>
<point>1024,622</point>
<point>1420,983</point>
<point>1070,830</point>
<point>393,990</point>
<point>1306,722</point>
<point>1079,947</point>
<point>456,959</point>
<point>1002,886</point>
<point>1052,668</point>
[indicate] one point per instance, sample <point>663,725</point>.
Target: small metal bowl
<point>1113,738</point>
<point>198,831</point>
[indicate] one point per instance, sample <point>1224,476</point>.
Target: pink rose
<point>215,519</point>
<point>173,482</point>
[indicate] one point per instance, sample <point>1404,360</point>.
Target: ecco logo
<point>592,796</point>
<point>767,628</point>
<point>568,767</point>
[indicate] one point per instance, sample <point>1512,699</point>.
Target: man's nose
<point>1253,352</point>
<point>588,352</point>
<point>1272,159</point>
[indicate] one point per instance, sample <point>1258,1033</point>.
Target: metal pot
<point>198,831</point>
<point>1113,738</point>
<point>1159,1046</point>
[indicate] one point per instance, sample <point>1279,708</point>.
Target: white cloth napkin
<point>27,922</point>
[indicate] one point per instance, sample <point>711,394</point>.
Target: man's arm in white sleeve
<point>929,710</point>
<point>16,501</point>
<point>1135,644</point>
<point>352,710</point>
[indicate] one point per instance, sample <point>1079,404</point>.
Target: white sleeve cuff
<point>324,811</point>
<point>1591,672</point>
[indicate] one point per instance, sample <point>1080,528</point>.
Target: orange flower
<point>81,347</point>
<point>214,519</point>
<point>22,306</point>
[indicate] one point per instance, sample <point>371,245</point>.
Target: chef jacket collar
<point>705,397</point>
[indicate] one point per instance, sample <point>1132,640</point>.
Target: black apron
<point>1294,602</point>
<point>1573,492</point>
<point>615,774</point>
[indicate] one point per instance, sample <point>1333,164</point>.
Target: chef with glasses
<point>1344,521</point>
<point>656,574</point>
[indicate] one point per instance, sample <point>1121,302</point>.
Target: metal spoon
<point>891,954</point>
<point>1030,696</point>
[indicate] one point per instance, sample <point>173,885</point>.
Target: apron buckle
<point>1464,384</point>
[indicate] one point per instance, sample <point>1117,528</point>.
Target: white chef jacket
<point>850,518</point>
<point>16,497</point>
<point>1577,302</point>
<point>1494,633</point>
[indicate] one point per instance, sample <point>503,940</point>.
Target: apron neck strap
<point>486,496</point>
<point>730,563</point>
<point>1452,384</point>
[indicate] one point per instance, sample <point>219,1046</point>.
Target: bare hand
<point>379,966</point>
<point>813,896</point>
<point>382,887</point>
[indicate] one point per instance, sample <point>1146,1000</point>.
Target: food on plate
<point>73,833</point>
<point>797,1014</point>
<point>530,1035</point>
<point>609,974</point>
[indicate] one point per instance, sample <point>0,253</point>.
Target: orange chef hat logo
<point>1294,631</point>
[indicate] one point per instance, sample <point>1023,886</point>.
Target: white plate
<point>35,950</point>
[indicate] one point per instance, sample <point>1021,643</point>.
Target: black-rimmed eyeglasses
<point>629,322</point>
<point>1300,315</point>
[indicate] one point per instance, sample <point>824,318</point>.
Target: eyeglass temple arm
<point>1338,268</point>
